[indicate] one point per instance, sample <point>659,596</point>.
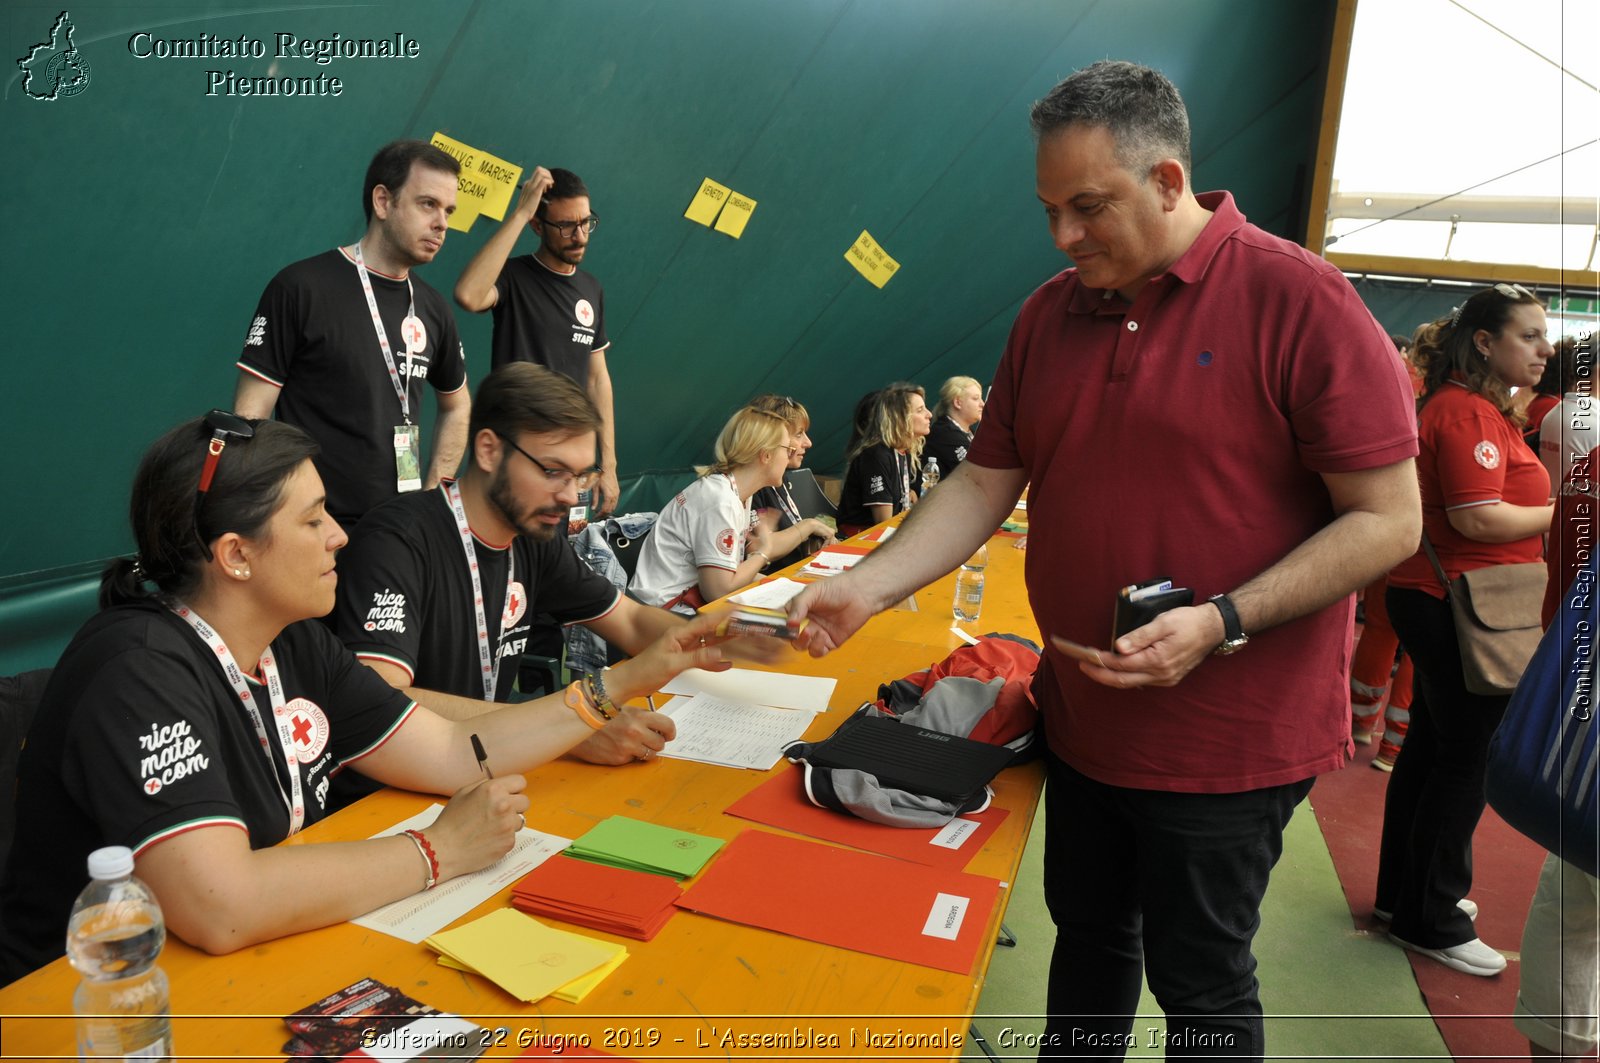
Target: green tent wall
<point>146,215</point>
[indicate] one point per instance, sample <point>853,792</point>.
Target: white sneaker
<point>1467,905</point>
<point>1469,957</point>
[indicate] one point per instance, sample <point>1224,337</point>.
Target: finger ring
<point>522,821</point>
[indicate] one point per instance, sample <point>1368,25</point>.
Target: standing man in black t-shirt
<point>547,310</point>
<point>340,342</point>
<point>413,576</point>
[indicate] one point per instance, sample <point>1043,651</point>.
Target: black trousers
<point>1435,796</point>
<point>1174,878</point>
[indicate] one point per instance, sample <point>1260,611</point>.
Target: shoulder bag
<point>1496,612</point>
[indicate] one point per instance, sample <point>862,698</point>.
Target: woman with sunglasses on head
<point>198,722</point>
<point>883,460</point>
<point>1485,501</point>
<point>793,536</point>
<point>704,544</point>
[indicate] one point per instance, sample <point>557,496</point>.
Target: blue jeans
<point>1175,878</point>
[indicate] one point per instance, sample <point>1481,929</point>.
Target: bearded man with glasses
<point>547,310</point>
<point>439,590</point>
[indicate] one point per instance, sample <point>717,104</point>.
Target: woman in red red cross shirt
<point>1485,498</point>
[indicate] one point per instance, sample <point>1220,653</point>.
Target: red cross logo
<point>302,729</point>
<point>152,786</point>
<point>416,336</point>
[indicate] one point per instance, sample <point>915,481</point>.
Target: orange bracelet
<point>578,702</point>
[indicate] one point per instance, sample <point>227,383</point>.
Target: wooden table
<point>702,988</point>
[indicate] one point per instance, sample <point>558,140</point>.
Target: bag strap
<point>1438,569</point>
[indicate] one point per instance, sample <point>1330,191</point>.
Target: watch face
<point>1231,646</point>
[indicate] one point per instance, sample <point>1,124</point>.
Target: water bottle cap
<point>114,861</point>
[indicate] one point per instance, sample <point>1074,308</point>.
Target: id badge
<point>408,457</point>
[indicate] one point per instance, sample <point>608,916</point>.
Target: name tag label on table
<point>955,834</point>
<point>944,920</point>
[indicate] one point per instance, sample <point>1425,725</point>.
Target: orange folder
<point>781,802</point>
<point>630,903</point>
<point>917,914</point>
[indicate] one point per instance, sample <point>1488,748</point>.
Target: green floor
<point>1330,991</point>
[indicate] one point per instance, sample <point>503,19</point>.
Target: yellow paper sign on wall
<point>707,202</point>
<point>736,215</point>
<point>485,185</point>
<point>870,260</point>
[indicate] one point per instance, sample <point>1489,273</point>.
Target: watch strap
<point>1233,635</point>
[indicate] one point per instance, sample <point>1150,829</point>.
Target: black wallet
<point>1141,603</point>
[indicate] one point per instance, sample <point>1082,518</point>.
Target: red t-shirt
<point>1471,456</point>
<point>1183,436</point>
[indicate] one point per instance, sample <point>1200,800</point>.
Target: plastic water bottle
<point>930,474</point>
<point>113,939</point>
<point>968,602</point>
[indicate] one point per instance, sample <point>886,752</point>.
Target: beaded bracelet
<point>602,700</point>
<point>428,856</point>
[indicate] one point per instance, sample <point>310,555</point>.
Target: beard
<point>504,501</point>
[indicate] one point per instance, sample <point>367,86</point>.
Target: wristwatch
<point>1233,636</point>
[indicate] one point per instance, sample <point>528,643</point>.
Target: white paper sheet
<point>830,563</point>
<point>415,917</point>
<point>772,595</point>
<point>729,733</point>
<point>750,687</point>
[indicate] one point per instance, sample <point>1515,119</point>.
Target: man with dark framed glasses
<point>546,309</point>
<point>341,342</point>
<point>413,576</point>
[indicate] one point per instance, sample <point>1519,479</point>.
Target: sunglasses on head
<point>1514,291</point>
<point>224,426</point>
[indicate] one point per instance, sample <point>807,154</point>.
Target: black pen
<point>483,758</point>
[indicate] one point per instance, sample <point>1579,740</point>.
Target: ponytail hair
<point>950,391</point>
<point>174,530</point>
<point>1446,350</point>
<point>748,432</point>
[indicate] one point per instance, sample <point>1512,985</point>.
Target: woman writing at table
<point>199,725</point>
<point>705,544</point>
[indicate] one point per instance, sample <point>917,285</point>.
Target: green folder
<point>638,846</point>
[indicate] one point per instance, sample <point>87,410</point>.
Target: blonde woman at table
<point>884,461</point>
<point>793,536</point>
<point>705,543</point>
<point>199,724</point>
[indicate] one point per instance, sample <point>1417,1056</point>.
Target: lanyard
<point>400,386</point>
<point>294,801</point>
<point>488,660</point>
<point>787,504</point>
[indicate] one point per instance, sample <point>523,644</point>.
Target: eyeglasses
<point>1514,291</point>
<point>558,478</point>
<point>567,228</point>
<point>793,450</point>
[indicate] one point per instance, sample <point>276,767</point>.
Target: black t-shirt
<point>312,335</point>
<point>878,476</point>
<point>140,737</point>
<point>405,595</point>
<point>947,444</point>
<point>552,319</point>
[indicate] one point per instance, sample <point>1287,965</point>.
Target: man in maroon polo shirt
<point>1200,400</point>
